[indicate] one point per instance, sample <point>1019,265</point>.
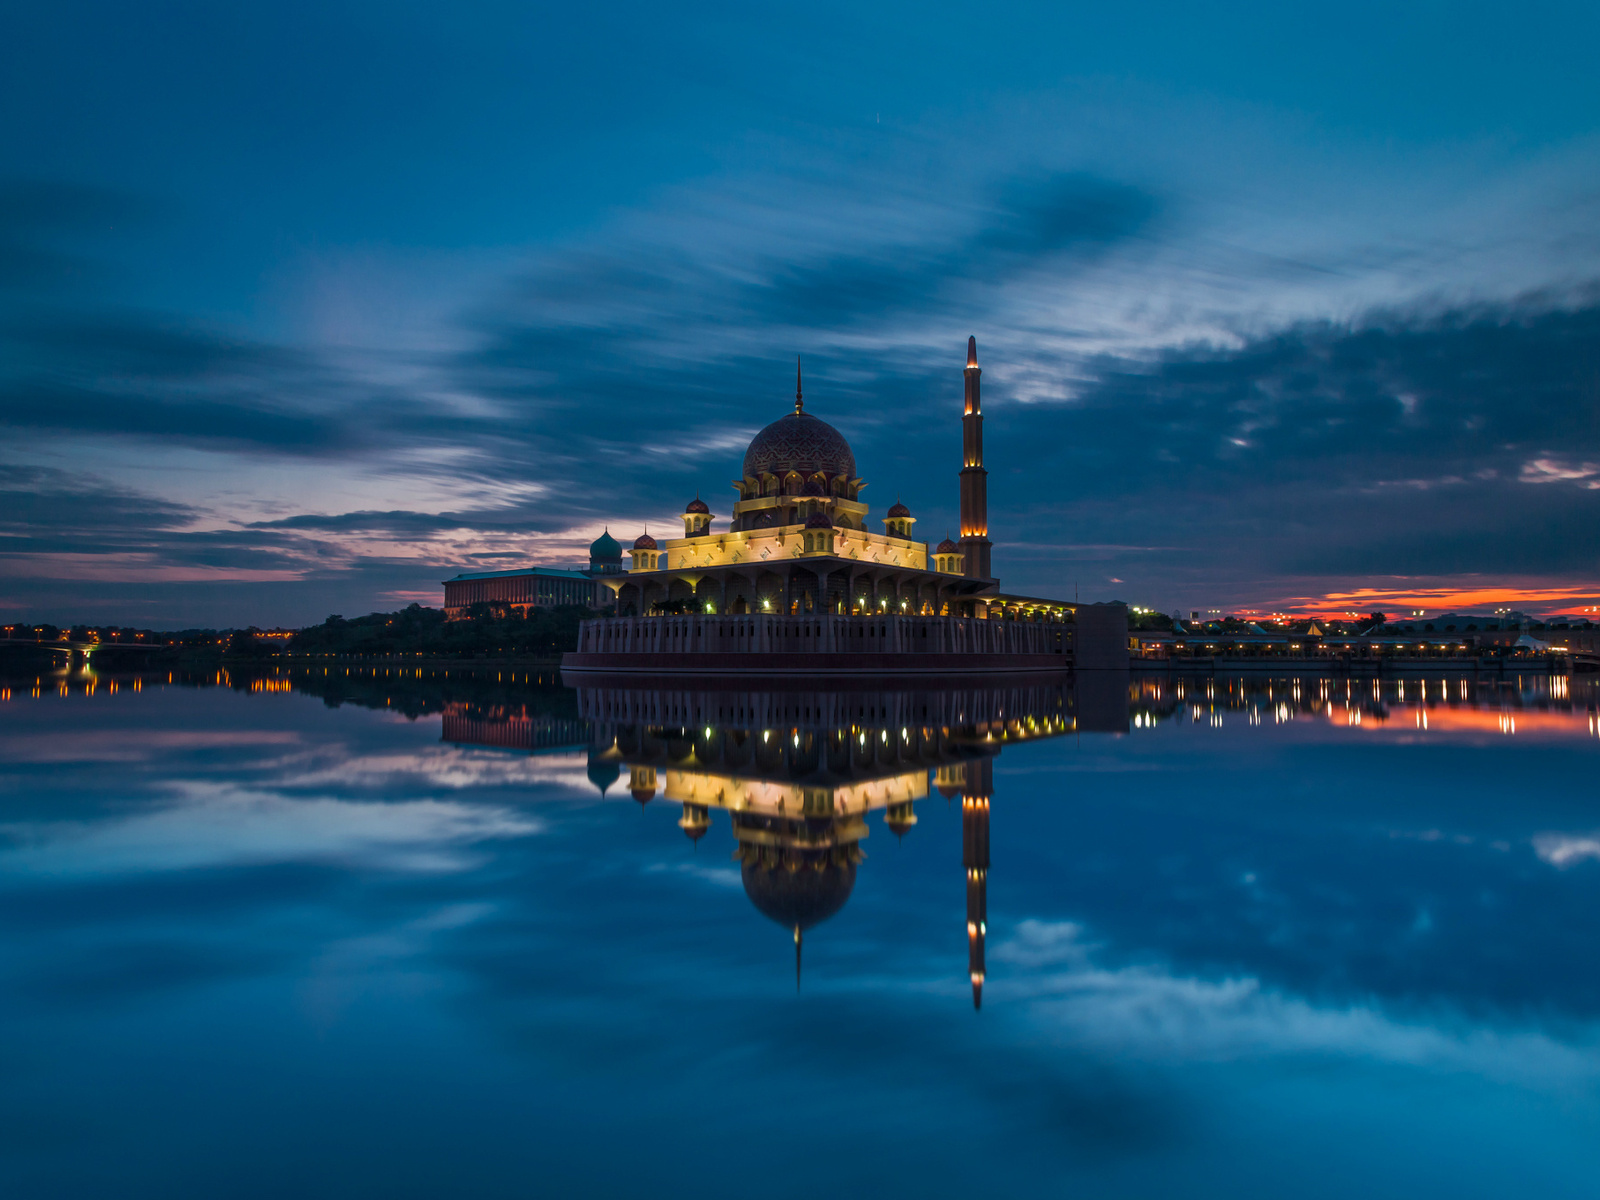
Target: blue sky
<point>304,308</point>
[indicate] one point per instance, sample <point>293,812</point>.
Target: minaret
<point>975,857</point>
<point>974,479</point>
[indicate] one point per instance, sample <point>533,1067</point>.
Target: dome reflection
<point>800,772</point>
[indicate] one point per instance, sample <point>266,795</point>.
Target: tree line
<point>484,631</point>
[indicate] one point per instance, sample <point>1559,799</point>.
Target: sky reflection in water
<point>366,935</point>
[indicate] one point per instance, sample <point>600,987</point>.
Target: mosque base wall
<point>818,645</point>
<point>788,665</point>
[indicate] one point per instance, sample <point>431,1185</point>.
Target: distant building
<point>537,587</point>
<point>1504,629</point>
<point>1466,637</point>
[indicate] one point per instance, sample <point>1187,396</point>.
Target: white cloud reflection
<point>722,877</point>
<point>1566,849</point>
<point>1145,1012</point>
<point>210,825</point>
<point>447,767</point>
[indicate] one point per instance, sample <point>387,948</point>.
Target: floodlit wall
<point>824,634</point>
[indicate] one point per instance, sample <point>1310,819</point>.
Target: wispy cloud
<point>1147,1012</point>
<point>209,825</point>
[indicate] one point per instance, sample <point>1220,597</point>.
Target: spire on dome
<point>799,404</point>
<point>797,958</point>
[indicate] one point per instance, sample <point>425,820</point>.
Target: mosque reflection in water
<point>799,774</point>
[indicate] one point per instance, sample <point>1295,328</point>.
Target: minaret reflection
<point>975,858</point>
<point>799,774</point>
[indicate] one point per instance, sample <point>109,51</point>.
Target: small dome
<point>644,542</point>
<point>603,774</point>
<point>605,548</point>
<point>947,547</point>
<point>698,505</point>
<point>900,820</point>
<point>643,794</point>
<point>899,510</point>
<point>819,520</point>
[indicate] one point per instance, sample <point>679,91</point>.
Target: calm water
<point>379,936</point>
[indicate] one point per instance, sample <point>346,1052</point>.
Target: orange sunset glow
<point>1578,599</point>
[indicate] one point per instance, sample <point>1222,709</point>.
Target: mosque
<point>799,582</point>
<point>799,540</point>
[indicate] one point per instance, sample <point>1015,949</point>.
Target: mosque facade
<point>800,538</point>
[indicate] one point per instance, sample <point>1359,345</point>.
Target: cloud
<point>447,768</point>
<point>1048,224</point>
<point>211,825</point>
<point>1045,943</point>
<point>70,525</point>
<point>131,376</point>
<point>1550,469</point>
<point>720,877</point>
<point>1148,1013</point>
<point>397,521</point>
<point>34,499</point>
<point>1565,850</point>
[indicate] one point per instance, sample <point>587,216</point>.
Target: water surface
<point>417,934</point>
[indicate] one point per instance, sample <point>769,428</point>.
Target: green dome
<point>603,774</point>
<point>605,548</point>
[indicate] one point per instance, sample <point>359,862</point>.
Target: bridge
<point>85,649</point>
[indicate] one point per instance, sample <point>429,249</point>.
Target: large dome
<point>799,442</point>
<point>798,899</point>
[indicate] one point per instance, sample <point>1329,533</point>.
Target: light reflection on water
<point>410,932</point>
